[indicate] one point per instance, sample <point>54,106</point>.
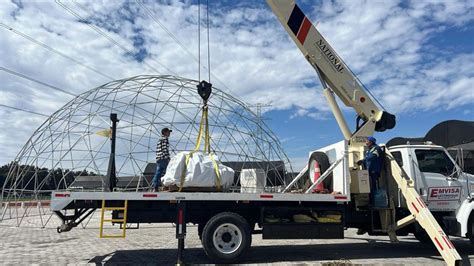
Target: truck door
<point>394,191</point>
<point>439,188</point>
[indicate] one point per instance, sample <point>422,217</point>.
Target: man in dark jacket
<point>373,161</point>
<point>162,158</point>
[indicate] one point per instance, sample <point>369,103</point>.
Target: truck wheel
<point>470,228</point>
<point>420,234</point>
<point>226,236</point>
<point>324,164</point>
<point>423,237</point>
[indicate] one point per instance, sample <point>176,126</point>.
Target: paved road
<point>155,244</point>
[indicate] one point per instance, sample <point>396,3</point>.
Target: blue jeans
<point>374,178</point>
<point>160,171</point>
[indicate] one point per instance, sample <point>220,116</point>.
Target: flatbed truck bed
<point>269,214</point>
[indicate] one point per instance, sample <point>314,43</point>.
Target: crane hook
<point>204,90</point>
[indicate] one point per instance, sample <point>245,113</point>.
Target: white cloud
<point>386,43</point>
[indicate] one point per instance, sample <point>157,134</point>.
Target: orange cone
<point>317,175</point>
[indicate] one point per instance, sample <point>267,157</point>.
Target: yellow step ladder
<point>421,214</point>
<point>123,220</point>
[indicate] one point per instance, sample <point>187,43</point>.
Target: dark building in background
<point>455,135</point>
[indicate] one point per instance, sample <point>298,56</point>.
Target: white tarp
<point>200,171</point>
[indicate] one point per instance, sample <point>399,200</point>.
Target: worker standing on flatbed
<point>162,158</point>
<point>373,163</point>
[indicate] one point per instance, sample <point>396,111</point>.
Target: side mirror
<point>450,174</point>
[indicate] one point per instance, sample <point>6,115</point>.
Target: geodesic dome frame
<point>66,145</point>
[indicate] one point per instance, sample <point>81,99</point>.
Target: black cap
<point>164,130</point>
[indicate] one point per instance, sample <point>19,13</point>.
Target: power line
<point>53,50</point>
<point>165,29</point>
<point>49,48</point>
<point>35,80</point>
<point>182,45</point>
<point>58,52</point>
<point>259,122</point>
<point>100,32</point>
<point>23,110</point>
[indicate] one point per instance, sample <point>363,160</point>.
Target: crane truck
<point>226,221</point>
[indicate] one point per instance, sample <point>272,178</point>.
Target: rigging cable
<point>199,40</point>
<point>208,45</point>
<point>179,43</point>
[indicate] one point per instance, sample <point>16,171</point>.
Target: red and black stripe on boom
<point>299,24</point>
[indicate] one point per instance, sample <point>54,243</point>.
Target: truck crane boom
<point>334,74</point>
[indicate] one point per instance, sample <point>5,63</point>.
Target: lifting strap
<point>203,125</point>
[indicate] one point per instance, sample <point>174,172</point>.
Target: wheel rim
<point>311,171</point>
<point>227,238</point>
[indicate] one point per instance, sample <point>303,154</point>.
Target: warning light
<point>362,99</point>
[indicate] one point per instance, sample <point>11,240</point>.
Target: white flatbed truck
<point>227,220</point>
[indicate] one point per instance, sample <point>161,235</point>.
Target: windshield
<point>434,161</point>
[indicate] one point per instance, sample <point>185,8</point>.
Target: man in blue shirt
<point>373,162</point>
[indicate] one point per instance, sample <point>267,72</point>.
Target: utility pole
<point>259,124</point>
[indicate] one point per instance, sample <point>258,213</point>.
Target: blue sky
<point>417,57</point>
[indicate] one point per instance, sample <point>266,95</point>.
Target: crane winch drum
<point>387,121</point>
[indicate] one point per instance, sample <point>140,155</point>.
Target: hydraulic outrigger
<point>338,79</point>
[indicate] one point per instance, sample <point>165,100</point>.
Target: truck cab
<point>445,188</point>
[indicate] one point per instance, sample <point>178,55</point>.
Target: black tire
<point>226,237</point>
<point>324,164</point>
<point>470,228</point>
<point>423,237</point>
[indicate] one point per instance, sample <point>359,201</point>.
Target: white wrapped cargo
<point>200,171</point>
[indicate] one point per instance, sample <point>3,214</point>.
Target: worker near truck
<point>162,158</point>
<point>373,163</point>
